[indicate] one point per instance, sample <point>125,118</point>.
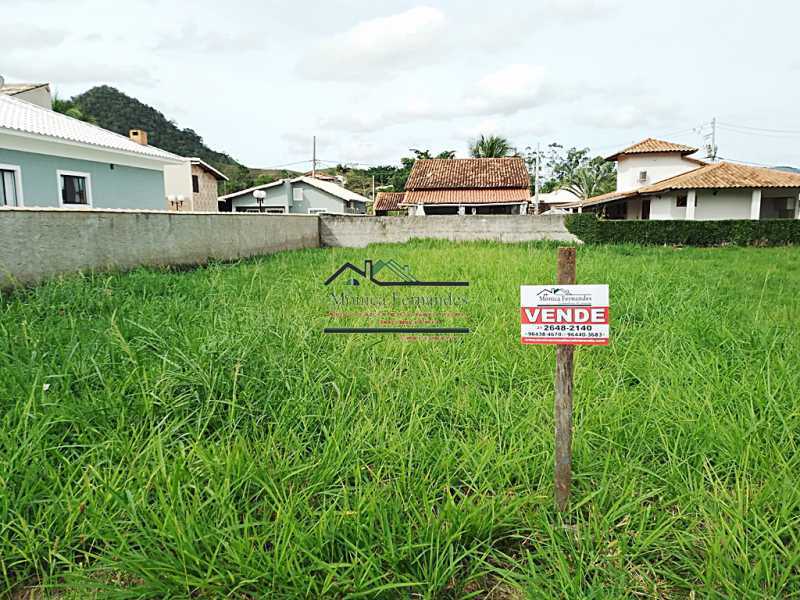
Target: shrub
<point>592,230</point>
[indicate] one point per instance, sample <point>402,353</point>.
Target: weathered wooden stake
<point>565,275</point>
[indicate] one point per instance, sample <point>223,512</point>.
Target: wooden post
<point>563,395</point>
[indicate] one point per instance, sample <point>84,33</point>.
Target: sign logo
<point>569,315</point>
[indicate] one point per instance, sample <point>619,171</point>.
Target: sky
<point>373,79</point>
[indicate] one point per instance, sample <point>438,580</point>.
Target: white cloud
<point>505,92</point>
<point>637,113</point>
<point>375,48</point>
<point>61,71</point>
<point>22,36</point>
<point>190,38</point>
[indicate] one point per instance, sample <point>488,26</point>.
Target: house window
<point>195,184</point>
<point>680,201</point>
<point>297,194</point>
<point>10,187</point>
<point>75,189</point>
<point>642,176</point>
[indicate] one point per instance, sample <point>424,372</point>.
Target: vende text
<point>595,315</point>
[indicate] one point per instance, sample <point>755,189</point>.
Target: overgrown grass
<point>173,435</point>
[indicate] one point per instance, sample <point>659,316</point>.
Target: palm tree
<point>492,146</point>
<point>595,178</point>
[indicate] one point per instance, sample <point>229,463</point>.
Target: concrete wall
<point>40,243</point>
<point>118,187</point>
<point>357,232</point>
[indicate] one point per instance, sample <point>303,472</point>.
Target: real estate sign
<point>565,314</point>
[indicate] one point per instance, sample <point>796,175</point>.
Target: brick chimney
<point>139,136</point>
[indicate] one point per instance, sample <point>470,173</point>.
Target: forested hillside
<point>111,109</point>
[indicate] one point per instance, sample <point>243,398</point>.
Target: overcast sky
<point>374,78</point>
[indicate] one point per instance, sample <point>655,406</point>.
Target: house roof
<point>18,88</point>
<point>208,168</point>
<point>721,175</point>
<point>468,196</point>
<point>388,200</point>
<point>468,173</point>
<point>726,175</point>
<point>326,186</point>
<point>649,145</point>
<point>25,118</point>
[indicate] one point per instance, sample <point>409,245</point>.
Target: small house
<point>461,186</point>
<point>300,195</point>
<point>387,203</point>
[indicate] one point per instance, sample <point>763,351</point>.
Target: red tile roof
<point>468,196</point>
<point>468,173</point>
<point>653,145</point>
<point>388,201</point>
<point>726,175</point>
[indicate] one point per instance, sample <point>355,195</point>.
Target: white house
<point>659,180</point>
<point>301,195</point>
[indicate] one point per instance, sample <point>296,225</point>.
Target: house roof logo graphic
<point>402,275</point>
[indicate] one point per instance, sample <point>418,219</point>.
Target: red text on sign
<point>568,315</point>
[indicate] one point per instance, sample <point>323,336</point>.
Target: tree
<point>574,170</point>
<point>492,146</point>
<point>67,107</point>
<point>595,178</point>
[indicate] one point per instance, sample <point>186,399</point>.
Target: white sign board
<point>565,314</point>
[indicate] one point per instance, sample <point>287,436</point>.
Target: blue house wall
<point>112,185</point>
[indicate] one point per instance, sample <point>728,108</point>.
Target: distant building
<point>326,177</point>
<point>388,203</point>
<point>660,180</point>
<point>193,186</point>
<point>50,159</point>
<point>301,195</point>
<point>468,186</point>
<point>35,93</point>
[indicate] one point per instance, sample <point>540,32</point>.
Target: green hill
<point>113,110</point>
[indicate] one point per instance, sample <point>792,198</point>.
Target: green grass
<point>199,437</point>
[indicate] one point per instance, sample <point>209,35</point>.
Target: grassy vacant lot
<point>168,435</point>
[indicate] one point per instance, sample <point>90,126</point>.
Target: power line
<point>786,135</point>
<point>786,131</point>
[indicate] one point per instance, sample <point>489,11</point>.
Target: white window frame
<point>17,181</point>
<point>298,195</point>
<point>87,176</point>
<point>317,211</point>
<point>642,176</point>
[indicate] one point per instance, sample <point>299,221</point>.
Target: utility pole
<point>314,159</point>
<point>711,148</point>
<point>536,181</point>
<point>373,188</point>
